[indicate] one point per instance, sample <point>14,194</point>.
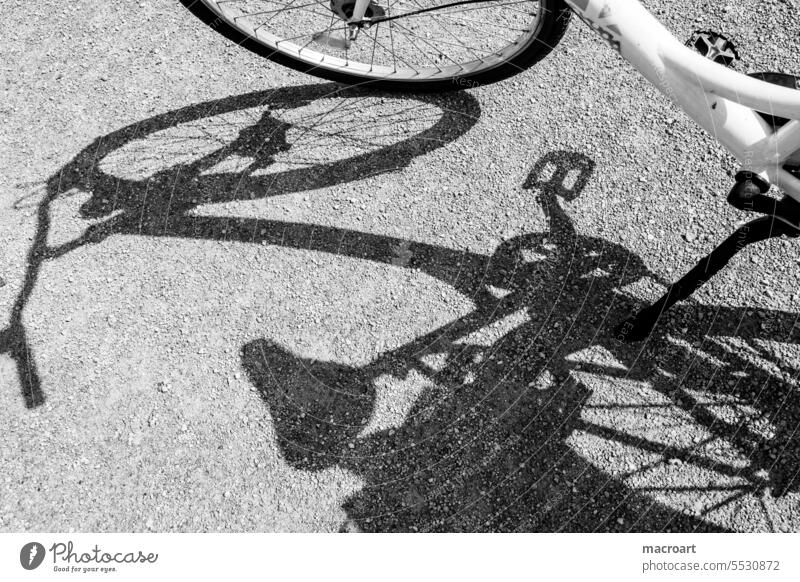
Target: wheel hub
<point>344,9</point>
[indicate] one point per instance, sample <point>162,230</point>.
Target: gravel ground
<point>388,319</point>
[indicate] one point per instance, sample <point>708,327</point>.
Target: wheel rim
<point>459,41</point>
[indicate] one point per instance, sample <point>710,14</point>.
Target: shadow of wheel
<point>148,177</point>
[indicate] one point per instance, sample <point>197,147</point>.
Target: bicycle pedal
<point>714,46</point>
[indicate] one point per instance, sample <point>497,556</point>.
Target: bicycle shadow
<point>243,147</point>
<point>485,443</point>
<point>473,391</point>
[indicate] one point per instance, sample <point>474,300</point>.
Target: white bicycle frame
<point>719,99</point>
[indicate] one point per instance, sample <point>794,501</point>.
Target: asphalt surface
<point>388,318</point>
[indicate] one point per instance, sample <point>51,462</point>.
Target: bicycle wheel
<point>449,45</point>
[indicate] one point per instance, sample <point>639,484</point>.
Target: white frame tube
<point>719,99</point>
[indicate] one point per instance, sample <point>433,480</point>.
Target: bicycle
<point>755,117</point>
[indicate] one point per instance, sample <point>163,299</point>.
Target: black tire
<point>550,27</point>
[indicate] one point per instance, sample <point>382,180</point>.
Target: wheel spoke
<point>438,44</point>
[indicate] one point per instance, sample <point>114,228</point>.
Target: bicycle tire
<point>550,25</point>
